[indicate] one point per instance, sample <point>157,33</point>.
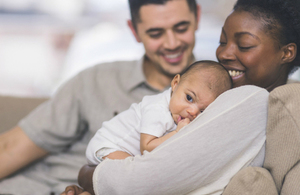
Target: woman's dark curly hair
<point>281,19</point>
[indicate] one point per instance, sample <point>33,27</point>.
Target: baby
<point>156,118</point>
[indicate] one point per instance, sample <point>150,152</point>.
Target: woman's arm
<point>204,156</point>
<point>85,178</point>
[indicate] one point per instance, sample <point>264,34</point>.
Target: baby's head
<point>196,88</point>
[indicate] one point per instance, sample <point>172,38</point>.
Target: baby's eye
<point>189,98</point>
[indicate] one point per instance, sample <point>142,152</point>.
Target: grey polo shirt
<point>65,124</point>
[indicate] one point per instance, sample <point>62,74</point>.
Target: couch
<point>281,171</point>
<point>12,109</point>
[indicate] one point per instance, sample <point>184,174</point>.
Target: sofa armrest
<point>291,181</point>
<point>282,162</point>
<point>283,132</point>
<point>13,109</point>
<point>251,181</point>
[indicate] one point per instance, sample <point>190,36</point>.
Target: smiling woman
<point>255,46</point>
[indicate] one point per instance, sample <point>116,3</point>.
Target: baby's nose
<point>194,111</point>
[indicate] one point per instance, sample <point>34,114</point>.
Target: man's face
<point>168,34</point>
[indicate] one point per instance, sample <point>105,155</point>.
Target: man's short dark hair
<point>135,6</point>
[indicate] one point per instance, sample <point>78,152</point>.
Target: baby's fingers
<point>183,123</point>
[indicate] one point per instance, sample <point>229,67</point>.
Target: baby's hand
<point>182,123</point>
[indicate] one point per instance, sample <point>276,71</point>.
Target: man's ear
<point>133,30</point>
<point>175,82</point>
<point>198,16</point>
<point>289,52</point>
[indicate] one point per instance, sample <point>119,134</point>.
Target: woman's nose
<point>225,53</point>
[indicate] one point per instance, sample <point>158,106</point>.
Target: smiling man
<point>167,30</point>
<point>55,135</point>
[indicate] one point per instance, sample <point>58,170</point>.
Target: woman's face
<point>250,54</point>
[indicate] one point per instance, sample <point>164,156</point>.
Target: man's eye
<point>155,35</point>
<point>181,30</point>
<point>189,98</point>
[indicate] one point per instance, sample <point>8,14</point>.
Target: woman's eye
<point>189,98</point>
<point>222,43</point>
<point>245,48</point>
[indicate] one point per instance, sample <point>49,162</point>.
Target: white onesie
<point>122,133</point>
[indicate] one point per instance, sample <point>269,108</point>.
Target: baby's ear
<point>175,82</point>
<point>289,52</point>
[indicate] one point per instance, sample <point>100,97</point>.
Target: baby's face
<point>189,98</point>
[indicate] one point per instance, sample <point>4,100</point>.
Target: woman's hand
<point>74,190</point>
<point>85,178</point>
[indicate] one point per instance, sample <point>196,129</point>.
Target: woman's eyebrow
<point>239,34</point>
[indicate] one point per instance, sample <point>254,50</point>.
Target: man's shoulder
<point>113,66</point>
<point>103,75</point>
<point>108,69</point>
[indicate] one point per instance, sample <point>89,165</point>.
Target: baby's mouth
<point>179,119</point>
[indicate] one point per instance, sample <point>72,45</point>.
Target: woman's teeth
<point>235,72</point>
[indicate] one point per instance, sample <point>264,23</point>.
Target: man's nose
<point>171,41</point>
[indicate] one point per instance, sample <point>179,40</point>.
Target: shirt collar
<point>138,78</point>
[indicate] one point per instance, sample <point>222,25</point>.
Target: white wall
<point>45,42</point>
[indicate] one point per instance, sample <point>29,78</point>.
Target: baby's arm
<point>149,142</point>
<point>117,155</point>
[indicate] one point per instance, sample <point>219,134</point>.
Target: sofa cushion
<point>251,181</point>
<point>283,133</point>
<point>282,161</point>
<point>12,109</point>
<point>291,181</point>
